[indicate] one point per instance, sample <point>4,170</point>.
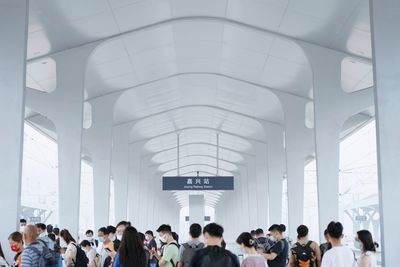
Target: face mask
<point>358,245</point>
<point>14,248</point>
<point>63,244</point>
<point>101,239</point>
<point>22,229</point>
<point>272,238</point>
<point>147,238</point>
<point>89,238</point>
<point>119,237</point>
<point>112,239</point>
<point>163,239</point>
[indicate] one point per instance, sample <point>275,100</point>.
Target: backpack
<point>304,255</point>
<point>217,257</point>
<point>47,258</point>
<point>189,251</point>
<point>80,259</point>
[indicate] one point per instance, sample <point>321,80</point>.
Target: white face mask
<point>22,228</point>
<point>119,237</point>
<point>163,239</point>
<point>63,244</point>
<point>147,237</point>
<point>89,238</point>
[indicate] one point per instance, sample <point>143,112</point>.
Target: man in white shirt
<point>338,255</point>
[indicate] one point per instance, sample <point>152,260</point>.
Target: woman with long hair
<point>68,242</point>
<point>131,251</point>
<point>248,243</point>
<point>365,243</point>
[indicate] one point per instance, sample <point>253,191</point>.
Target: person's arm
<point>292,259</point>
<point>275,251</point>
<point>181,250</point>
<point>317,252</point>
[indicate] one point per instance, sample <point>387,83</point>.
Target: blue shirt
<point>30,258</point>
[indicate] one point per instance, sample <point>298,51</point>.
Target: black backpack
<point>47,258</point>
<point>217,257</point>
<point>80,260</point>
<point>189,251</point>
<point>304,255</point>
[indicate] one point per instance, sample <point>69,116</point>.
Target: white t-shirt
<point>339,257</point>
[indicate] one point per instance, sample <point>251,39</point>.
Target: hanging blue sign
<point>195,183</point>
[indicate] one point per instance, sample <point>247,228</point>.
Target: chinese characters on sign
<point>198,183</point>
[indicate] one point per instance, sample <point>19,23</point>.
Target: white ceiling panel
<point>182,8</point>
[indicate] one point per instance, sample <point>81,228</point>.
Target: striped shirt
<point>29,256</point>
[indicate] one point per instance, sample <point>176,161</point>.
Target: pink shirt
<point>254,261</point>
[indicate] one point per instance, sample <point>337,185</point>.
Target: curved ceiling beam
<point>197,164</point>
<point>178,74</point>
<point>198,127</point>
<point>198,143</point>
<point>197,106</point>
<point>186,173</point>
<point>196,155</point>
<point>242,25</point>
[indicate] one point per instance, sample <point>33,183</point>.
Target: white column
<point>385,17</point>
<point>13,32</point>
<point>120,170</point>
<point>276,168</point>
<point>332,107</point>
<point>98,140</point>
<point>133,182</point>
<point>64,107</point>
<point>196,209</point>
<point>298,145</point>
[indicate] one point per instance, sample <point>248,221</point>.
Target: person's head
<point>121,226</point>
<point>52,237</point>
<point>276,231</point>
<point>253,233</point>
<point>326,235</point>
<point>165,233</point>
<point>364,241</point>
<point>111,232</point>
<point>131,251</point>
<point>89,235</point>
<point>302,232</point>
<point>149,235</point>
<point>335,231</point>
<point>66,236</point>
<point>15,241</point>
<point>213,234</point>
<point>259,232</point>
<point>49,229</point>
<point>142,237</point>
<point>41,227</point>
<point>195,230</point>
<point>22,223</point>
<point>246,241</point>
<point>175,236</point>
<point>103,234</point>
<point>56,231</point>
<point>30,234</point>
<point>85,245</point>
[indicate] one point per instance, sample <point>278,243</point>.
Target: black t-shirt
<point>150,245</point>
<point>211,256</point>
<point>281,248</point>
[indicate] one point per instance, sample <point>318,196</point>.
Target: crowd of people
<point>123,246</point>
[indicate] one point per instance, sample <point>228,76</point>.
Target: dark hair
<point>125,223</point>
<point>326,232</point>
<point>41,226</point>
<point>335,230</point>
<point>223,244</point>
<point>49,228</point>
<point>253,232</point>
<point>214,230</point>
<point>85,243</point>
<point>246,239</point>
<point>56,230</point>
<point>16,237</point>
<point>90,232</point>
<point>277,227</point>
<point>164,228</point>
<point>104,230</point>
<point>65,234</point>
<point>175,236</point>
<point>259,231</point>
<point>365,238</point>
<point>52,237</point>
<point>195,230</point>
<point>131,251</point>
<point>148,232</point>
<point>111,229</point>
<point>302,231</point>
<point>1,252</point>
<point>142,237</point>
<point>22,221</point>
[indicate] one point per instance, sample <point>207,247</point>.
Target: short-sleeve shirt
<point>339,256</point>
<point>171,251</point>
<point>191,243</point>
<point>253,261</point>
<point>214,252</point>
<point>152,244</point>
<point>281,248</point>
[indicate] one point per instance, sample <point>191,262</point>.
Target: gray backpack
<point>189,251</point>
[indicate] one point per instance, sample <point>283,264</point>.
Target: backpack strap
<point>308,245</point>
<point>43,242</point>
<point>176,245</point>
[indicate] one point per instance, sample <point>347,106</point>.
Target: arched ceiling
<point>198,68</point>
